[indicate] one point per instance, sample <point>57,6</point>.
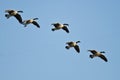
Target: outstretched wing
<point>36,24</point>
<point>77,48</point>
<point>93,51</point>
<point>55,24</point>
<point>103,57</point>
<point>18,17</point>
<point>66,29</point>
<point>69,43</point>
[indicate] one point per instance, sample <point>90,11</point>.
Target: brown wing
<point>36,24</point>
<point>93,51</point>
<point>103,57</point>
<point>69,43</point>
<point>77,48</point>
<point>66,29</point>
<point>56,24</point>
<point>18,17</point>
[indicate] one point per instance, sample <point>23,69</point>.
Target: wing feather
<point>36,24</point>
<point>77,48</point>
<point>103,57</point>
<point>66,29</point>
<point>18,17</point>
<point>93,51</point>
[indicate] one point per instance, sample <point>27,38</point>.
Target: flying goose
<point>15,14</point>
<point>31,21</point>
<point>97,54</point>
<point>73,44</point>
<point>58,26</point>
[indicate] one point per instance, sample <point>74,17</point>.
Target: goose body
<point>97,54</point>
<point>31,21</point>
<point>74,45</point>
<point>58,26</point>
<point>15,14</point>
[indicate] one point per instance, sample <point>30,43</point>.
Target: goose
<point>31,21</point>
<point>15,14</point>
<point>58,26</point>
<point>97,54</point>
<point>73,44</point>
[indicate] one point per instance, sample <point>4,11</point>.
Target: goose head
<point>20,11</point>
<point>35,18</point>
<point>77,41</point>
<point>102,51</point>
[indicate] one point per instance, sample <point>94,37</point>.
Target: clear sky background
<point>30,53</point>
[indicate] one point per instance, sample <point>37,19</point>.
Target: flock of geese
<point>57,26</point>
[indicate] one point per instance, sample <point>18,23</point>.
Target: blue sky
<point>30,53</point>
